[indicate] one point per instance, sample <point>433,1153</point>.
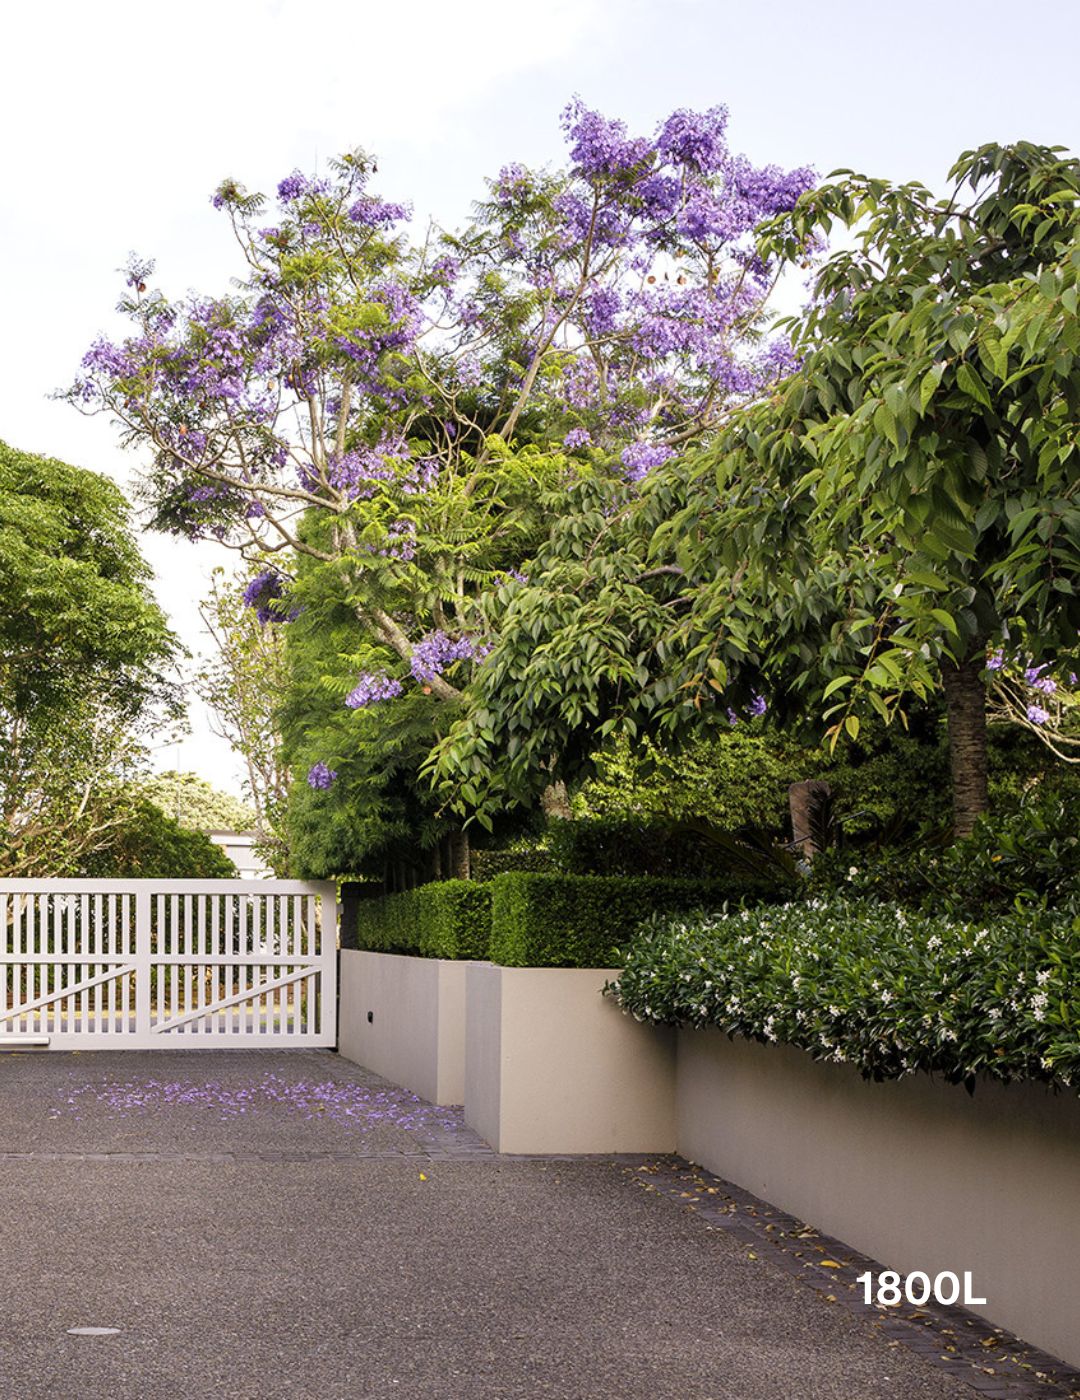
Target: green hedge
<point>582,920</point>
<point>485,865</point>
<point>448,919</point>
<point>630,846</point>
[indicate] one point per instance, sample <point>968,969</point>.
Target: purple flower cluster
<point>1035,678</point>
<point>697,140</point>
<point>263,593</point>
<point>755,709</point>
<point>297,185</point>
<point>599,146</point>
<point>370,689</point>
<point>436,652</point>
<point>640,458</point>
<point>320,776</point>
<point>378,213</point>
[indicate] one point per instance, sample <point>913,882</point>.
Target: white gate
<point>156,964</point>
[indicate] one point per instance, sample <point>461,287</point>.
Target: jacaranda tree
<point>894,519</point>
<point>378,421</point>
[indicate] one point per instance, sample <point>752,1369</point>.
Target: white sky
<point>118,119</point>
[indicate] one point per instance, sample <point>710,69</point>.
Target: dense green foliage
<point>531,855</point>
<point>863,536</point>
<point>582,920</point>
<point>197,804</point>
<point>78,614</point>
<point>146,844</point>
<point>1028,860</point>
<point>450,919</point>
<point>889,991</point>
<point>375,809</point>
<point>645,846</point>
<point>83,653</point>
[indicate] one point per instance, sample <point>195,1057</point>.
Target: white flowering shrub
<point>887,990</point>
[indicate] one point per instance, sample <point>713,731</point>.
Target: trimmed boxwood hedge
<point>449,919</point>
<point>522,919</point>
<point>582,920</point>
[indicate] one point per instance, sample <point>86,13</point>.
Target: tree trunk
<point>459,856</point>
<point>555,802</point>
<point>965,706</point>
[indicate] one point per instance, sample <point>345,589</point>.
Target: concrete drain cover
<point>93,1331</point>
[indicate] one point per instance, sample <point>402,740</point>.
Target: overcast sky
<point>119,119</point>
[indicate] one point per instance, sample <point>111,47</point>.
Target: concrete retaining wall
<point>404,1018</point>
<point>551,1065</point>
<point>918,1174</point>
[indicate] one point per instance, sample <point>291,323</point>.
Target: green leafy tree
<point>244,681</point>
<point>143,843</point>
<point>83,650</point>
<point>903,504</point>
<point>196,804</point>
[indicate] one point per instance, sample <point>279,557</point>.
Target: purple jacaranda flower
<point>600,146</point>
<point>372,688</point>
<point>263,593</point>
<point>378,213</point>
<point>640,458</point>
<point>1035,678</point>
<point>436,652</point>
<point>577,437</point>
<point>695,139</point>
<point>320,776</point>
<point>296,185</point>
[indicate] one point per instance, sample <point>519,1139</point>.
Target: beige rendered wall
<point>915,1173</point>
<point>416,1034</point>
<point>553,1066</point>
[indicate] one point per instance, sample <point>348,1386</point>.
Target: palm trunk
<point>965,707</point>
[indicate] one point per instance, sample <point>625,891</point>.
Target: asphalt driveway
<point>263,1224</point>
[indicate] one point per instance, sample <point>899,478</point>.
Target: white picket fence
<point>155,964</point>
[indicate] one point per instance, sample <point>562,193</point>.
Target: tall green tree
<point>195,804</point>
<point>243,681</point>
<point>84,652</point>
<point>903,504</point>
